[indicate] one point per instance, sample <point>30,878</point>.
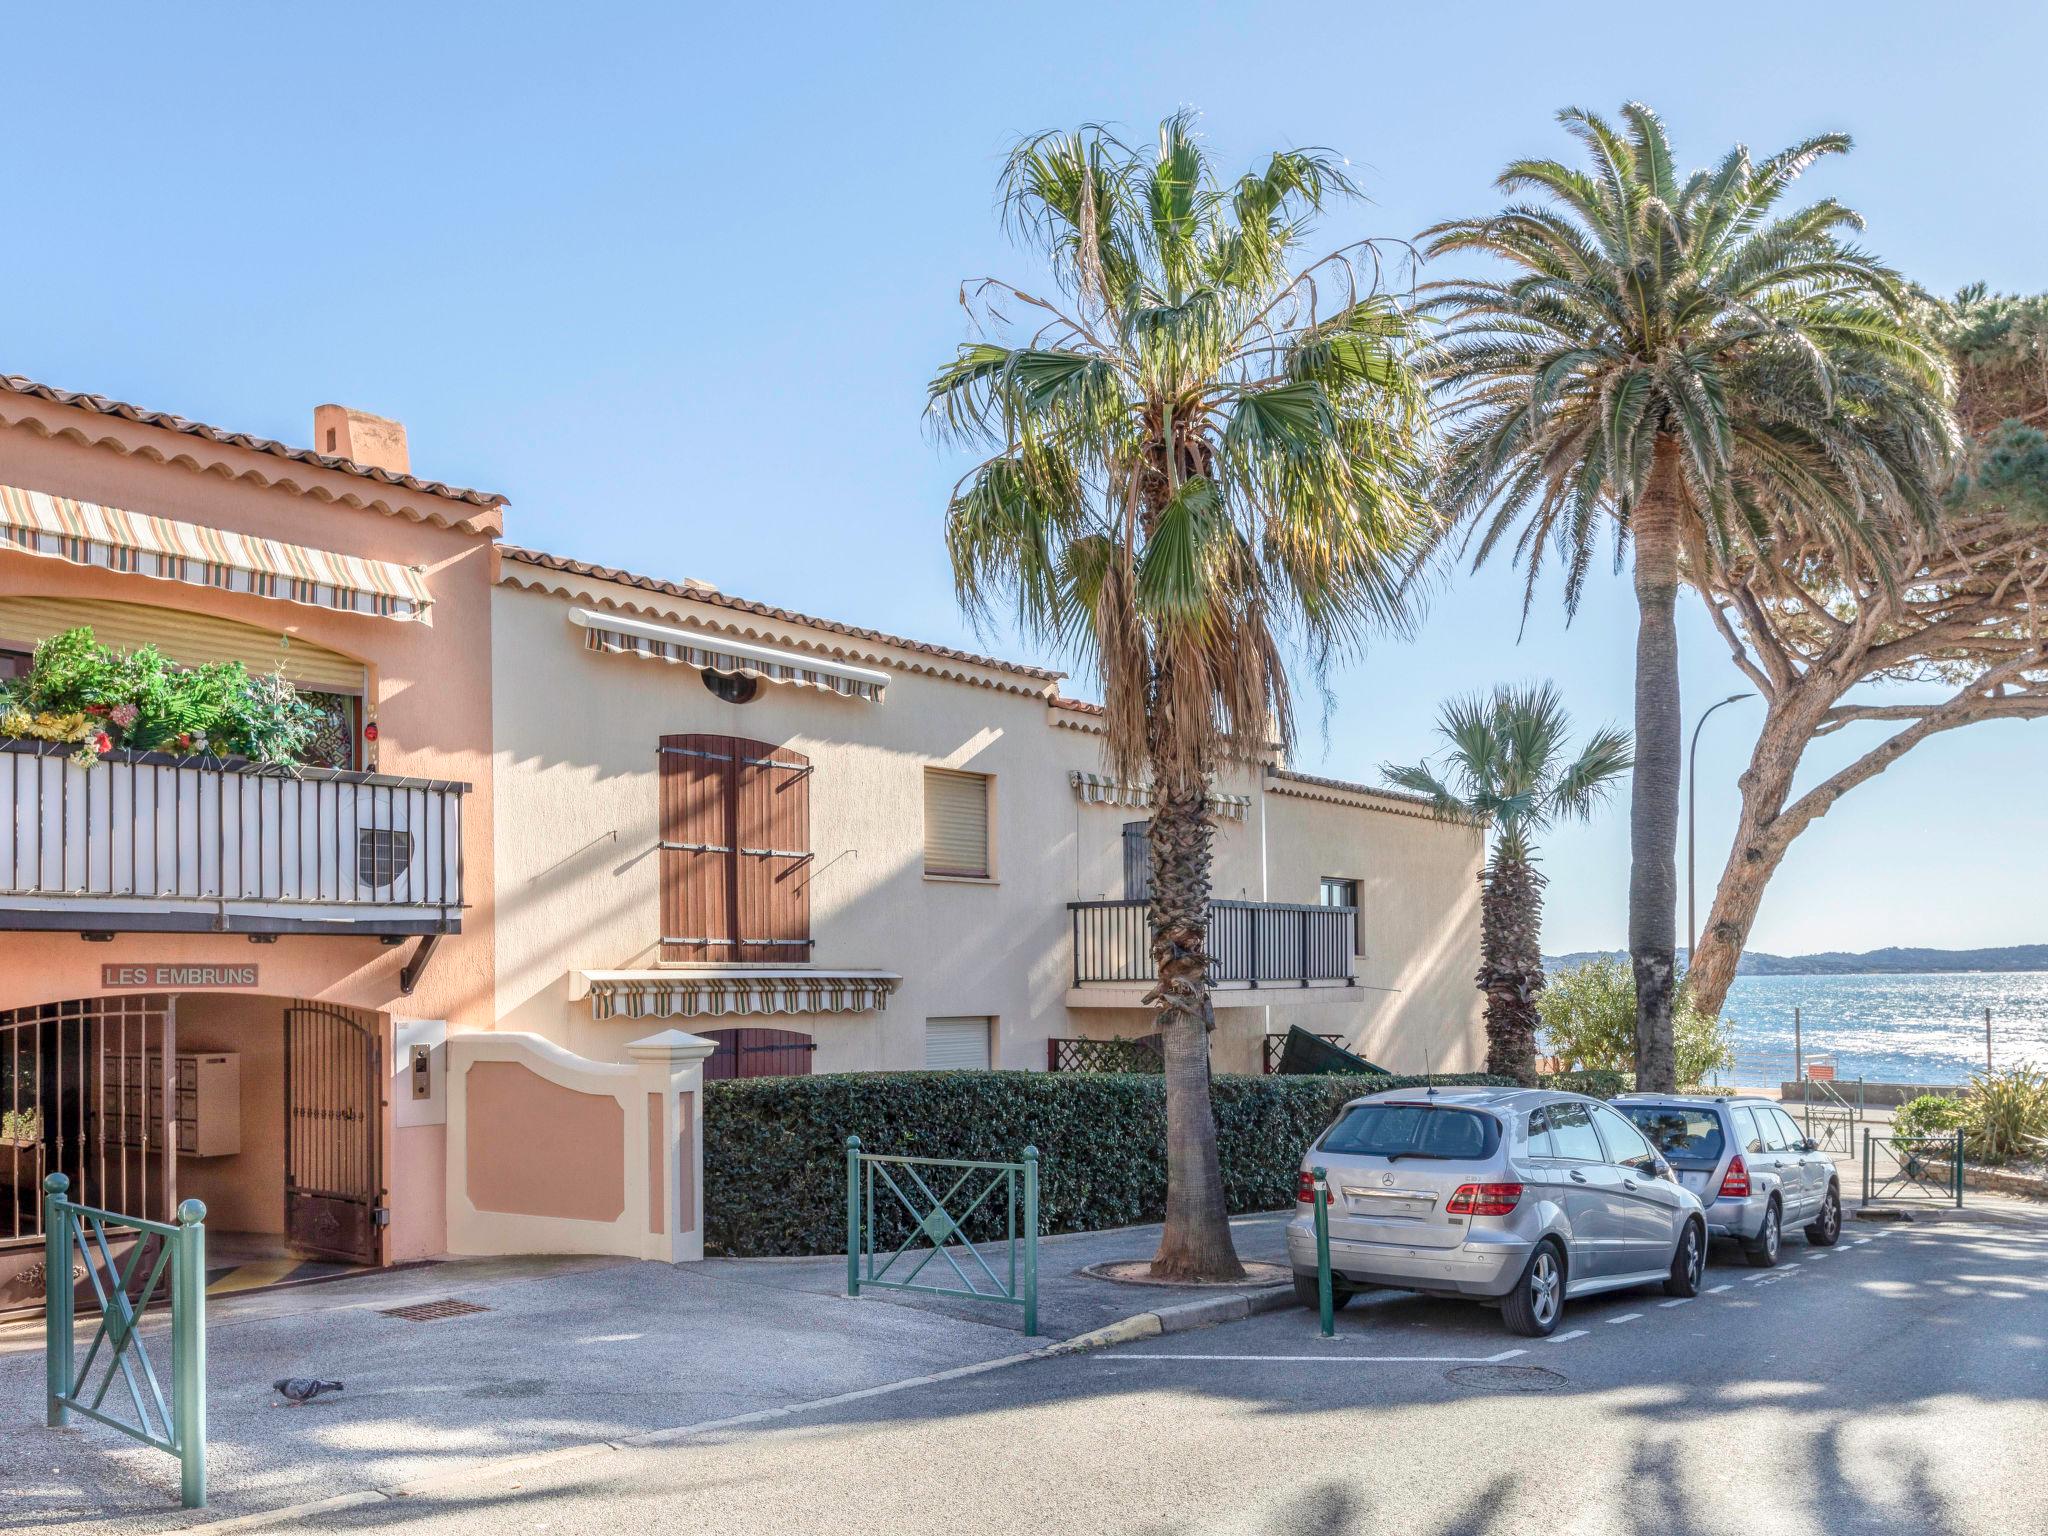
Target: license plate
<point>1383,1203</point>
<point>1696,1182</point>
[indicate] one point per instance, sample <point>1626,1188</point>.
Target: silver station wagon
<point>1517,1196</point>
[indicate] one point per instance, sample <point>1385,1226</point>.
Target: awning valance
<point>1101,789</point>
<point>86,533</point>
<point>723,992</point>
<point>720,653</point>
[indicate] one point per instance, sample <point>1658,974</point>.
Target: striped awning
<point>1101,789</point>
<point>734,992</point>
<point>720,653</point>
<point>86,533</point>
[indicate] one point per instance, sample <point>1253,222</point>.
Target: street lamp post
<point>1692,785</point>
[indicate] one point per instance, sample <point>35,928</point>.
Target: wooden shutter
<point>955,823</point>
<point>757,1053</point>
<point>1137,861</point>
<point>773,819</point>
<point>698,885</point>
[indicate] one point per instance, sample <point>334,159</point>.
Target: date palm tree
<point>1677,358</point>
<point>1507,771</point>
<point>1201,461</point>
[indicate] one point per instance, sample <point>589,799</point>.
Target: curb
<point>1201,1313</point>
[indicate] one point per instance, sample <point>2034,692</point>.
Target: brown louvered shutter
<point>698,877</point>
<point>774,842</point>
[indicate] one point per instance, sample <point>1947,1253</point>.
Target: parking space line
<point>1114,1356</point>
<point>1563,1338</point>
<point>1718,1289</point>
<point>1682,1301</point>
<point>1626,1317</point>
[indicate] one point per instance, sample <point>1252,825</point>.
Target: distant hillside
<point>1875,962</point>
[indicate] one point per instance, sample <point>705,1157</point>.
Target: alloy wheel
<point>1773,1232</point>
<point>1546,1287</point>
<point>1695,1256</point>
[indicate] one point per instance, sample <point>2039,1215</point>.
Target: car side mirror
<point>1809,1145</point>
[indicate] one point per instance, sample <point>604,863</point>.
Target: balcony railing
<point>149,842</point>
<point>1251,943</point>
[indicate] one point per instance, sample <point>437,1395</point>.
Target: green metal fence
<point>124,1290</point>
<point>999,1199</point>
<point>1927,1168</point>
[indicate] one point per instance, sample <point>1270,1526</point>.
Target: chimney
<point>375,442</point>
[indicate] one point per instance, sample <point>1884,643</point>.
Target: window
<point>1413,1130</point>
<point>1540,1143</point>
<point>735,850</point>
<point>1137,861</point>
<point>1794,1138</point>
<point>956,823</point>
<point>1572,1135</point>
<point>14,664</point>
<point>1683,1135</point>
<point>1745,1130</point>
<point>1779,1134</point>
<point>1339,891</point>
<point>957,1045</point>
<point>1626,1145</point>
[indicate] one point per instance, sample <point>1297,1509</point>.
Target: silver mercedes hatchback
<point>1515,1196</point>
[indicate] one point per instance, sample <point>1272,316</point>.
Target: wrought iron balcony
<point>149,842</point>
<point>1251,944</point>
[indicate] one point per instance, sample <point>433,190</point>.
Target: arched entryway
<point>266,1108</point>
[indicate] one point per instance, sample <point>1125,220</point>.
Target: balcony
<point>145,842</point>
<point>1253,946</point>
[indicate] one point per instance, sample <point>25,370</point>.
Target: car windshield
<point>1683,1135</point>
<point>1413,1130</point>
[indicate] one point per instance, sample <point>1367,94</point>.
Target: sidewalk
<point>569,1352</point>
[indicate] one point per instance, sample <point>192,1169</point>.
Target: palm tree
<point>1507,772</point>
<point>1713,378</point>
<point>1201,461</point>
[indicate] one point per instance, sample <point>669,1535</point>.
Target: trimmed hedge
<point>775,1147</point>
<point>1594,1082</point>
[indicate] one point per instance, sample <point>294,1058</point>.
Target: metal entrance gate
<point>83,1086</point>
<point>333,1183</point>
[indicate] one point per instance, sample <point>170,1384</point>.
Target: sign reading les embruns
<point>166,977</point>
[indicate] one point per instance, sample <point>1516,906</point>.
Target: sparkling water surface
<point>1897,1029</point>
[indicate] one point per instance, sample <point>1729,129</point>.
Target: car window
<point>1413,1130</point>
<point>1745,1130</point>
<point>1770,1127</point>
<point>1539,1134</point>
<point>1794,1136</point>
<point>1683,1135</point>
<point>1572,1134</point>
<point>1625,1144</point>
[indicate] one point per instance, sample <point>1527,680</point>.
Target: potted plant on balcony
<point>81,693</point>
<point>21,1128</point>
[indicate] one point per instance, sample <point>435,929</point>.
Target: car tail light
<point>1735,1182</point>
<point>1484,1200</point>
<point>1305,1188</point>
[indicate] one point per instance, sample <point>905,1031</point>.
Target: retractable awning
<point>86,533</point>
<point>720,653</point>
<point>731,991</point>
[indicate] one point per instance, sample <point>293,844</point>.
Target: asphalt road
<point>1897,1383</point>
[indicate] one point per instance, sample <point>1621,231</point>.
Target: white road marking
<point>1506,1354</point>
<point>1794,1264</point>
<point>1682,1301</point>
<point>1717,1290</point>
<point>1626,1317</point>
<point>1562,1338</point>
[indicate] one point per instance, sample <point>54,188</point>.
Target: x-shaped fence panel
<point>932,1202</point>
<point>161,1263</point>
<point>1925,1168</point>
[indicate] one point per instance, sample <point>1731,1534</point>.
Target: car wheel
<point>1762,1250</point>
<point>1533,1307</point>
<point>1307,1293</point>
<point>1824,1230</point>
<point>1688,1264</point>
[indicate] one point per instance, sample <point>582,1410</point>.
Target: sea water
<point>1895,1029</point>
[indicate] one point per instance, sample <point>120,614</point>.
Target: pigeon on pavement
<point>303,1389</point>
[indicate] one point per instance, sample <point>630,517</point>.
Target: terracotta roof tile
<point>100,405</point>
<point>697,592</point>
<point>1349,787</point>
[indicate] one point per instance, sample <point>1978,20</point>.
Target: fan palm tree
<point>1711,376</point>
<point>1507,771</point>
<point>1201,460</point>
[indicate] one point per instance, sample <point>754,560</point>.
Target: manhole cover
<point>1504,1378</point>
<point>434,1311</point>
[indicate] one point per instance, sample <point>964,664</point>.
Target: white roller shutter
<point>957,1044</point>
<point>188,638</point>
<point>955,823</point>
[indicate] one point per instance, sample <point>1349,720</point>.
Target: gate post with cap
<point>58,1299</point>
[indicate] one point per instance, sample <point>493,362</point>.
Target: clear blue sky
<point>673,278</point>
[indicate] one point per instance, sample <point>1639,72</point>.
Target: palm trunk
<point>1196,1243</point>
<point>1511,965</point>
<point>1653,809</point>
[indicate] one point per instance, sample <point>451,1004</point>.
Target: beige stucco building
<point>960,884</point>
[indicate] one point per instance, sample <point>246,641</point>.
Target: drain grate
<point>434,1311</point>
<point>1505,1378</point>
